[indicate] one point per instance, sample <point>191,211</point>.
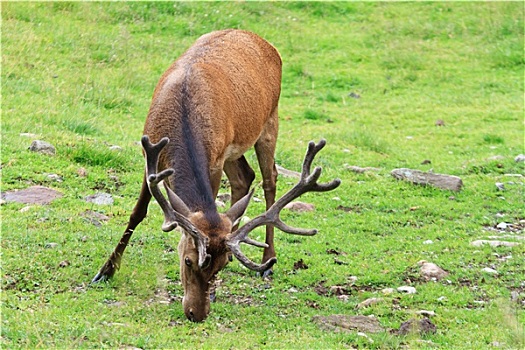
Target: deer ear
<point>237,210</point>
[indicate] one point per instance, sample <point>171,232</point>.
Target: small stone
<point>115,148</point>
<point>440,122</point>
<point>51,245</point>
<point>428,241</point>
<point>481,242</point>
<point>489,270</point>
<point>42,147</point>
<point>343,297</point>
<point>224,197</point>
<point>300,207</point>
<point>25,209</point>
<point>352,279</point>
<point>407,289</point>
<point>55,177</point>
<point>82,172</point>
<point>27,134</point>
<point>292,290</point>
<point>451,198</point>
<point>431,271</point>
<point>256,200</point>
<point>100,198</point>
<point>426,313</point>
<point>64,263</point>
<point>388,291</point>
<point>502,226</point>
<point>500,186</point>
<point>418,326</point>
<point>499,215</point>
<point>519,158</point>
<point>368,302</point>
<point>442,298</point>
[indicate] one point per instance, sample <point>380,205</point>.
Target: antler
<point>172,217</point>
<point>307,183</point>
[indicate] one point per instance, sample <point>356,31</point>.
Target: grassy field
<point>371,78</point>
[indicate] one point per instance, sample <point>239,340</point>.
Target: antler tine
<point>152,152</point>
<point>172,218</point>
<point>307,183</point>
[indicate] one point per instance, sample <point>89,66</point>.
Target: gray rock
<point>502,226</point>
<point>489,270</point>
<point>519,158</point>
<point>407,289</point>
<point>100,198</point>
<point>500,186</point>
<point>32,195</point>
<point>431,271</point>
<point>299,206</point>
<point>115,148</point>
<point>42,147</point>
<point>481,242</point>
<point>368,302</point>
<point>51,245</point>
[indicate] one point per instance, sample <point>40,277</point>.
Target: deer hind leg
<point>138,214</point>
<point>265,150</point>
<point>240,175</point>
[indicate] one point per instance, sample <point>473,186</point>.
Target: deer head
<point>206,247</point>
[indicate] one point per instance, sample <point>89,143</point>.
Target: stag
<point>214,103</point>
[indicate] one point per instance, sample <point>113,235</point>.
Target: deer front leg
<point>265,150</point>
<point>138,214</point>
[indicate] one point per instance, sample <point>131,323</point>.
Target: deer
<point>214,103</point>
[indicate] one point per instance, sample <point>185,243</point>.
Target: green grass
<point>371,78</point>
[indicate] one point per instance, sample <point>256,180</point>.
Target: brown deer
<point>214,103</point>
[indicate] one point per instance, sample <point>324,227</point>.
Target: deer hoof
<point>105,273</point>
<point>266,273</point>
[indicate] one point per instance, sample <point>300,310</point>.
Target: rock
<point>352,279</point>
<point>500,186</point>
<point>64,263</point>
<point>224,197</point>
<point>82,172</point>
<point>502,226</point>
<point>519,158</point>
<point>345,323</point>
<point>426,313</point>
<point>95,218</point>
<point>447,182</point>
<point>28,134</point>
<point>481,242</point>
<point>428,241</point>
<point>299,206</point>
<point>423,326</point>
<point>115,148</point>
<point>54,177</point>
<point>489,270</point>
<point>430,271</point>
<point>343,298</point>
<point>407,289</point>
<point>51,245</point>
<point>368,302</point>
<point>42,147</point>
<point>388,291</point>
<point>287,173</point>
<point>100,198</point>
<point>360,170</point>
<point>32,195</point>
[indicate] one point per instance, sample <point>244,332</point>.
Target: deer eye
<point>187,261</point>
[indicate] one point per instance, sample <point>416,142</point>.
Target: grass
<point>371,78</point>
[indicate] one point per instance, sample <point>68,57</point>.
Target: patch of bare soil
<point>414,326</point>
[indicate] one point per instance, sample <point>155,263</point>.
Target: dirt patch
<point>32,195</point>
<point>345,323</point>
<point>414,326</point>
